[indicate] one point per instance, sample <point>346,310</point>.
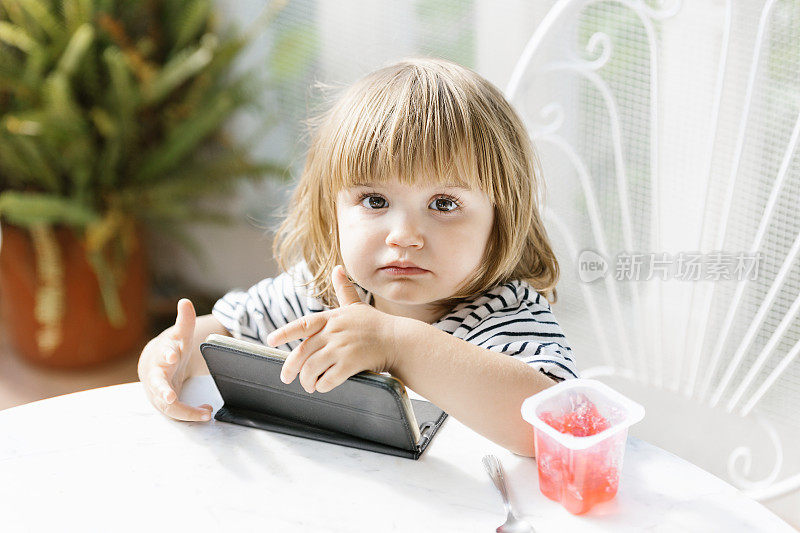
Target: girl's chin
<point>400,297</point>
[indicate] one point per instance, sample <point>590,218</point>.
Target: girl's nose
<point>404,233</point>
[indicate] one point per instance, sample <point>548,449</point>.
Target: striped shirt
<point>511,319</point>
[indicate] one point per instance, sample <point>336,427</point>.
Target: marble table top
<point>106,460</point>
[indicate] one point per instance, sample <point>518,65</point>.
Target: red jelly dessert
<point>583,421</point>
<point>578,479</point>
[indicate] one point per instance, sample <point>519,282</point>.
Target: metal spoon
<point>513,524</point>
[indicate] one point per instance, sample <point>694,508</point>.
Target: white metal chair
<point>673,129</point>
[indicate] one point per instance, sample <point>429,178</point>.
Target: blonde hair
<point>414,119</point>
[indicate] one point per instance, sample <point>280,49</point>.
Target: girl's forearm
<point>481,388</point>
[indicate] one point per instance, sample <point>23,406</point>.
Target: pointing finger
<point>303,327</point>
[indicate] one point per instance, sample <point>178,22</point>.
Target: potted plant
<point>111,121</point>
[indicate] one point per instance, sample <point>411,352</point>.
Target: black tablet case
<point>355,414</point>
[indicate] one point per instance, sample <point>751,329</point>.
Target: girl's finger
<point>171,353</point>
<point>314,367</point>
<point>160,386</point>
<point>345,291</point>
<point>302,328</point>
<point>185,324</point>
<point>187,413</point>
<point>332,378</point>
<point>298,357</point>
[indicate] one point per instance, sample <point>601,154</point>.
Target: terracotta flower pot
<point>85,337</point>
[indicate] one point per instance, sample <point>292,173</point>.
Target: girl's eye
<point>374,201</point>
<point>441,203</point>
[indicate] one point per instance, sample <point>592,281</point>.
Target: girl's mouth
<point>399,271</point>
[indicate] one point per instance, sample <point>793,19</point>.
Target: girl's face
<point>441,229</point>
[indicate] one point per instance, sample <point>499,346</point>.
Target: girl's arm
<point>481,388</point>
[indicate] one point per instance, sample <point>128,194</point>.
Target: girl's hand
<point>163,363</point>
<point>338,343</point>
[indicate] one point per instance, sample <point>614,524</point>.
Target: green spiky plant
<point>112,114</point>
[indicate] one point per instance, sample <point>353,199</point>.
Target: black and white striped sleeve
<point>529,333</point>
<point>266,306</point>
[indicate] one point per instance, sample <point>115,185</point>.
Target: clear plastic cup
<point>580,471</point>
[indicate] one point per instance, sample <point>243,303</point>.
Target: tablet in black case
<point>369,411</point>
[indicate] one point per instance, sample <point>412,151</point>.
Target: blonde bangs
<point>414,126</point>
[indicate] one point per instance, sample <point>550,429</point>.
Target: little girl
<point>413,245</point>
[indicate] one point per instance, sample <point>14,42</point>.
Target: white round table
<point>106,460</point>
